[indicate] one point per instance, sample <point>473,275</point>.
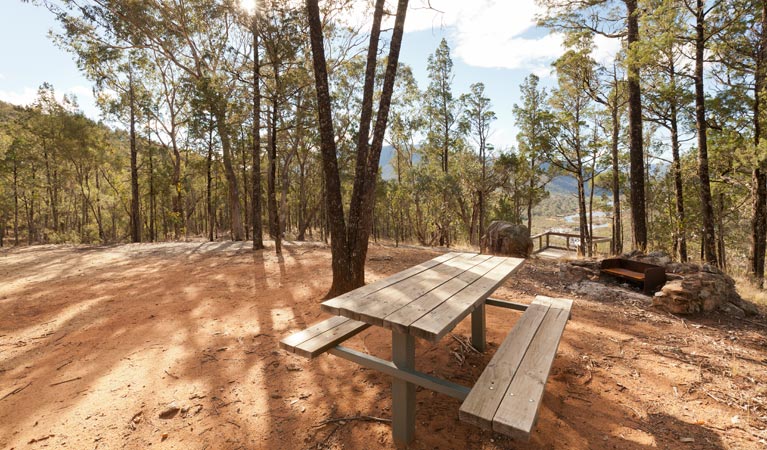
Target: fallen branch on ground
<point>16,391</point>
<point>348,419</point>
<point>66,381</point>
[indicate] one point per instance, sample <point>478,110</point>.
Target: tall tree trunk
<point>209,179</point>
<point>756,256</point>
<point>349,246</point>
<point>244,166</point>
<point>636,151</point>
<point>258,233</point>
<point>15,202</point>
<point>271,175</point>
<point>152,199</point>
<point>176,200</point>
<point>681,231</point>
<point>235,213</point>
<point>135,219</point>
<point>617,225</point>
<point>707,209</point>
<point>582,220</point>
<point>99,218</point>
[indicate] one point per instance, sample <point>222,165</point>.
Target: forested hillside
<point>205,140</point>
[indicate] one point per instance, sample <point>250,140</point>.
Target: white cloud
<point>605,49</point>
<point>496,33</point>
<point>23,97</point>
<point>28,95</point>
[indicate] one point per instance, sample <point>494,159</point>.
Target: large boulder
<point>697,289</point>
<point>507,239</point>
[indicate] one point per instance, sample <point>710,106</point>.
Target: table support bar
<point>505,304</point>
<point>421,379</point>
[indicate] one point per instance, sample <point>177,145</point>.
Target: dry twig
<point>348,419</point>
<point>66,381</point>
<point>16,391</point>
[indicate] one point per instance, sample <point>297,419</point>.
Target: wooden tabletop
<point>430,299</point>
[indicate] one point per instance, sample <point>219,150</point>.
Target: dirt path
<point>96,344</point>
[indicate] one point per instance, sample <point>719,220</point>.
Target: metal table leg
<point>478,328</point>
<point>402,392</point>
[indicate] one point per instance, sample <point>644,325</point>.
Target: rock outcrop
<point>507,239</point>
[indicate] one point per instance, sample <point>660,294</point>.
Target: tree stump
<point>506,239</point>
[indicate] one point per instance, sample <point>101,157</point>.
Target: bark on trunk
<point>638,205</point>
<point>235,214</point>
<point>617,240</point>
<point>349,246</point>
<point>756,257</point>
<point>707,209</point>
<point>681,231</point>
<point>135,219</point>
<point>258,239</point>
<point>209,179</point>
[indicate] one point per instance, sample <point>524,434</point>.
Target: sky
<point>495,42</point>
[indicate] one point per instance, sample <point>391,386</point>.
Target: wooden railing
<point>556,243</point>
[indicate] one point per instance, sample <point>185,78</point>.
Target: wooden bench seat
<point>507,395</point>
<point>624,273</point>
<point>322,336</point>
<point>649,276</point>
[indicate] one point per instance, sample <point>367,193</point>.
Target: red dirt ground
<point>97,342</point>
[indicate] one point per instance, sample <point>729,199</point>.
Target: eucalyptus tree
<point>199,37</point>
<point>608,88</point>
<point>476,121</point>
<point>571,152</point>
<point>617,19</point>
<point>668,97</point>
<point>406,130</point>
<point>533,118</point>
<point>741,55</point>
<point>108,57</point>
<point>169,107</point>
<point>349,241</point>
<point>442,110</point>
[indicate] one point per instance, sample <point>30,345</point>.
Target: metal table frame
<point>405,377</point>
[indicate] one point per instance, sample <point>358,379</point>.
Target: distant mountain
<point>565,184</point>
<point>387,169</point>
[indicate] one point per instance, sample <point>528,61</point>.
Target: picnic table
<point>427,301</point>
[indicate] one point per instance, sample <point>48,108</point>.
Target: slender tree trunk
<point>235,214</point>
<point>756,257</point>
<point>152,199</point>
<point>582,220</point>
<point>99,218</point>
<point>617,225</point>
<point>707,209</point>
<point>176,200</point>
<point>271,194</point>
<point>15,202</point>
<point>258,233</point>
<point>209,179</point>
<point>349,246</point>
<point>638,204</point>
<point>244,167</point>
<point>135,220</point>
<point>681,231</point>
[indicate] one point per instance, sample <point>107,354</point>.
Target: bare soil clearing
<point>174,345</point>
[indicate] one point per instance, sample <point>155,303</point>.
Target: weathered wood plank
<point>375,307</point>
<point>518,410</point>
<point>401,319</point>
<point>336,304</point>
<point>480,406</point>
<point>319,338</point>
<point>626,273</point>
<point>443,318</point>
<point>312,331</point>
